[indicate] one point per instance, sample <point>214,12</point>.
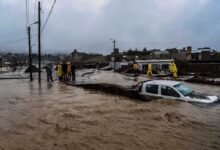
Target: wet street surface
<point>55,116</point>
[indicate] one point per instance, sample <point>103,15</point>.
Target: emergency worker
<point>136,69</point>
<point>69,71</point>
<point>59,72</point>
<point>173,70</point>
<point>64,71</point>
<point>149,70</point>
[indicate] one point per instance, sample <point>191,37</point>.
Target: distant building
<point>76,56</point>
<point>115,51</point>
<point>172,51</point>
<point>205,53</point>
<point>157,64</point>
<point>119,65</point>
<point>188,53</point>
<point>116,55</point>
<point>183,54</point>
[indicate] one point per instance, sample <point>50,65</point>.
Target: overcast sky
<point>88,25</point>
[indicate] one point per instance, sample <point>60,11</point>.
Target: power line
<point>42,6</point>
<point>48,15</point>
<point>28,10</point>
<point>11,32</point>
<point>16,41</point>
<point>26,6</point>
<point>35,4</point>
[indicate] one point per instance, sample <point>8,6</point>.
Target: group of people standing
<point>66,71</point>
<point>172,69</point>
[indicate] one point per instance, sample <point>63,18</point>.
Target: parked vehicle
<point>172,90</point>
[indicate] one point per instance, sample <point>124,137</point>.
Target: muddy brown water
<point>54,116</point>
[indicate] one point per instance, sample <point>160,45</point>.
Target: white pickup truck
<point>172,90</point>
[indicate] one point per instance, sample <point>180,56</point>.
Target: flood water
<point>55,116</point>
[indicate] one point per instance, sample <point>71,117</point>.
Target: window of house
<point>144,67</point>
<point>168,91</point>
<point>153,89</point>
<point>165,67</point>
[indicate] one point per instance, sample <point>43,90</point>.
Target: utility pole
<point>30,57</point>
<point>39,41</point>
<point>114,45</point>
<point>1,61</point>
<point>114,53</point>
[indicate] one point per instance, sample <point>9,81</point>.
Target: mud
<point>56,116</point>
<point>203,80</point>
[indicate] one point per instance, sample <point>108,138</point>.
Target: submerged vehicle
<point>172,90</point>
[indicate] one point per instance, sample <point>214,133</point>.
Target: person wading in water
<point>49,73</point>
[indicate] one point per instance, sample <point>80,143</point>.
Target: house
<point>204,53</point>
<point>119,65</point>
<point>183,54</point>
<point>158,64</point>
<point>76,56</point>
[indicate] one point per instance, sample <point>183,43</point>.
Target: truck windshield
<point>184,89</point>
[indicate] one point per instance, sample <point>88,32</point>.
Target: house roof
<point>202,50</point>
<point>155,61</point>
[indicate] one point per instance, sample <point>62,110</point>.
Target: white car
<point>172,90</point>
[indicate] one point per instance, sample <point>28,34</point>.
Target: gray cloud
<point>89,25</point>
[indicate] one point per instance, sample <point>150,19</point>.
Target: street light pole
<point>114,43</point>
<point>30,57</point>
<point>39,41</point>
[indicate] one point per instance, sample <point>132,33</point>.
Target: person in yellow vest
<point>69,71</point>
<point>173,70</point>
<point>149,70</point>
<point>59,72</point>
<point>171,67</point>
<point>135,68</point>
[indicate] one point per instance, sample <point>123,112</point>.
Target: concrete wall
<point>199,68</point>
